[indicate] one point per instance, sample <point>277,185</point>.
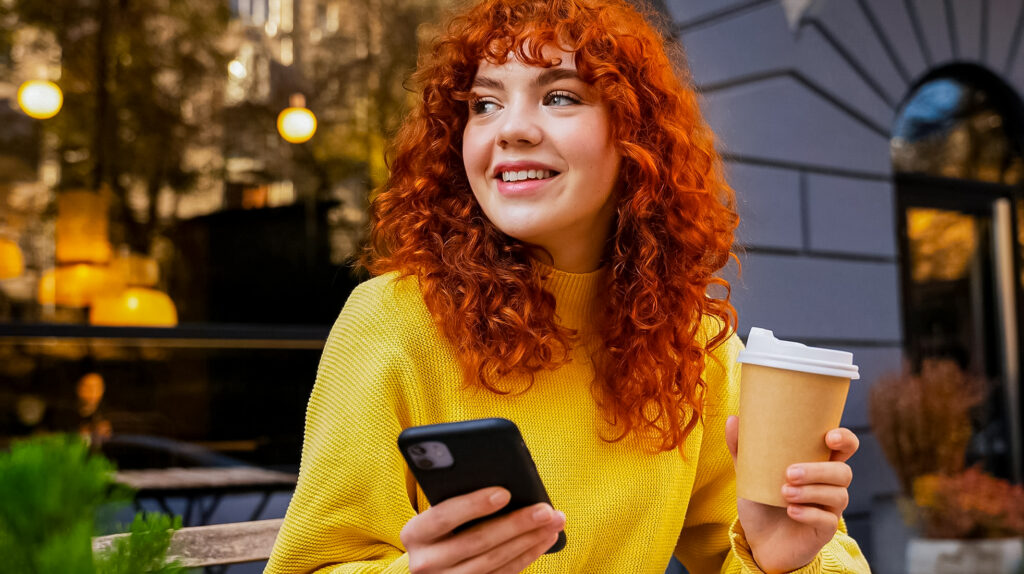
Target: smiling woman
<point>540,159</point>
<point>544,248</point>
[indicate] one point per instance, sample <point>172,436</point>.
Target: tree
<point>140,79</point>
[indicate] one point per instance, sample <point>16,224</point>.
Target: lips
<point>523,188</point>
<point>520,166</point>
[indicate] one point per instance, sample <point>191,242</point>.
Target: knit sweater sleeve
<point>354,493</point>
<point>711,540</point>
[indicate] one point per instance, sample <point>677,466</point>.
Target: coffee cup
<point>791,395</point>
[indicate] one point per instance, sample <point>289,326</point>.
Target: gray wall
<point>803,115</point>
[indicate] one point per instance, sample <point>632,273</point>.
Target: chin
<point>524,234</point>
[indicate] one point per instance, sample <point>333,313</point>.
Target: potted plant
<point>967,521</point>
<point>54,490</point>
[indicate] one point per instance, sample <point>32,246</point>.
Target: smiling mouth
<point>526,175</point>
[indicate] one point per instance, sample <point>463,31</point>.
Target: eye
<point>482,106</point>
<point>560,99</point>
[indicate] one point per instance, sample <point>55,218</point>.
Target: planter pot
<point>997,556</point>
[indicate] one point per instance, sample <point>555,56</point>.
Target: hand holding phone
<point>507,543</point>
<point>490,511</point>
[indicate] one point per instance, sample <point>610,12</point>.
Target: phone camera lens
<point>425,463</point>
<point>417,450</point>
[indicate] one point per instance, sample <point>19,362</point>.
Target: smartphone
<point>451,459</point>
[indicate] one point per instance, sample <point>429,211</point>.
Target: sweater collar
<point>576,295</point>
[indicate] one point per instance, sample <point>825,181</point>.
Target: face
<point>540,158</point>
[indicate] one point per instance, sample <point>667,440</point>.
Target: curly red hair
<point>673,230</point>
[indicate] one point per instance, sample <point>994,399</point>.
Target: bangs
<point>527,30</point>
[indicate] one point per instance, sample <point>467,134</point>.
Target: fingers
<point>439,521</point>
<point>818,518</point>
<point>519,563</point>
<point>510,554</point>
<point>832,498</point>
<point>843,443</point>
<point>732,433</point>
<point>828,473</point>
<point>538,520</point>
<point>489,546</point>
<point>817,493</point>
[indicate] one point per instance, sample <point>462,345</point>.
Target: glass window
<point>957,125</point>
<point>956,152</point>
<point>165,230</point>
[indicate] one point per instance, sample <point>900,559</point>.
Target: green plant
<point>145,550</point>
<point>52,490</point>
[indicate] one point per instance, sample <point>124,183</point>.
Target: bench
<point>215,545</point>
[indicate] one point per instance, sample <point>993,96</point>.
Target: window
<point>162,183</point>
<point>957,156</point>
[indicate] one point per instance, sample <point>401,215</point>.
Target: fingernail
<point>542,514</point>
<point>500,497</point>
<point>793,509</point>
<point>788,490</point>
<point>795,473</point>
<point>560,514</point>
<point>835,437</point>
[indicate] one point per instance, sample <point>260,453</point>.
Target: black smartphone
<point>451,459</point>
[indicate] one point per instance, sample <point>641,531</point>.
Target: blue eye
<point>560,99</point>
<point>481,106</point>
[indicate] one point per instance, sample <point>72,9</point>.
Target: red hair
<point>673,230</point>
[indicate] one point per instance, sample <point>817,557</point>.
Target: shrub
<point>970,504</point>
<point>923,422</point>
<point>52,490</point>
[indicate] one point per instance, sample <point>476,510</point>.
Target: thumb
<point>732,432</point>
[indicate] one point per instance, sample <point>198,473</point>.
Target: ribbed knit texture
<point>387,367</point>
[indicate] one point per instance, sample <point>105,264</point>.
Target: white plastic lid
<point>765,350</point>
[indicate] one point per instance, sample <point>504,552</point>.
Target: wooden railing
<point>219,544</point>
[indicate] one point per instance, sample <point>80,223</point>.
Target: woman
<point>544,250</point>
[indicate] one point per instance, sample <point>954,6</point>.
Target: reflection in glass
<point>955,126</point>
<point>950,299</point>
<point>199,394</point>
<point>952,313</point>
<point>942,244</point>
<point>169,118</point>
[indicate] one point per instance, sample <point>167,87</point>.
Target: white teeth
<point>525,174</point>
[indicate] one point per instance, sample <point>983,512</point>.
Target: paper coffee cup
<point>790,396</point>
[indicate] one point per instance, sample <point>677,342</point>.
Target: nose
<point>519,127</point>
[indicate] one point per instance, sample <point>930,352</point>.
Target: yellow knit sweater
<point>387,367</point>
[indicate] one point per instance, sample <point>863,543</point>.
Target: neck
<point>569,260</point>
<point>577,301</point>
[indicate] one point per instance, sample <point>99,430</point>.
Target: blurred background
<point>182,187</point>
<point>184,183</point>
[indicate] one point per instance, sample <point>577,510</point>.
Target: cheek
<point>475,154</point>
<point>592,147</point>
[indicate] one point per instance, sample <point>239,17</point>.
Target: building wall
<point>803,114</point>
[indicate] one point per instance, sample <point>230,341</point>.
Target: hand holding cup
<point>790,454</point>
<point>786,539</point>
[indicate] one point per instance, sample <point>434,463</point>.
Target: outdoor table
<point>197,484</point>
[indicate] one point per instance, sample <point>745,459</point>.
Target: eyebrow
<point>548,76</point>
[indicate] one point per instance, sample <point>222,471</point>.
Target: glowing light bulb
<point>40,99</point>
<point>296,123</point>
<point>237,70</point>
